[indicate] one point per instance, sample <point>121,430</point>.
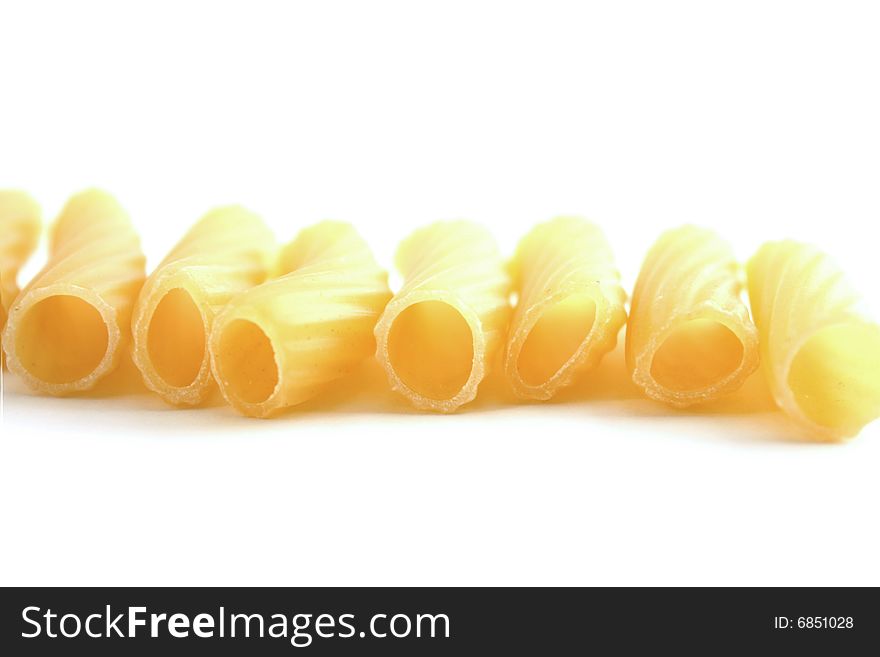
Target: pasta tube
<point>440,333</point>
<point>226,252</point>
<point>689,336</point>
<point>570,310</point>
<point>820,357</point>
<point>282,342</point>
<point>19,234</point>
<point>66,329</point>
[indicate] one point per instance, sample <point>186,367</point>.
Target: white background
<point>760,119</point>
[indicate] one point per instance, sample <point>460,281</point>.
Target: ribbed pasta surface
<point>19,235</point>
<point>820,355</point>
<point>689,337</point>
<point>226,252</point>
<point>282,342</point>
<point>66,329</point>
<point>440,333</point>
<point>571,306</point>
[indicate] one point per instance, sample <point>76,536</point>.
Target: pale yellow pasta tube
<point>229,250</point>
<point>67,328</point>
<point>282,342</point>
<point>19,234</point>
<point>820,355</point>
<point>439,335</point>
<point>689,335</point>
<point>570,309</point>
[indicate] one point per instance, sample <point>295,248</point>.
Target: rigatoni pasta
<point>67,328</point>
<point>19,235</point>
<point>440,333</point>
<point>275,328</point>
<point>570,308</point>
<point>689,337</point>
<point>282,342</point>
<point>228,251</point>
<point>820,355</point>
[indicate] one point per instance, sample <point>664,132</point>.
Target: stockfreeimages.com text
<point>300,629</point>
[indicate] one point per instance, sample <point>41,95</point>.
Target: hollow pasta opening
<point>246,362</point>
<point>61,339</point>
<point>835,377</point>
<point>697,354</point>
<point>555,337</point>
<point>176,339</point>
<point>431,349</point>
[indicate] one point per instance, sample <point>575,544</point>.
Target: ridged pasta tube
<point>820,355</point>
<point>282,342</point>
<point>67,328</point>
<point>689,337</point>
<point>229,250</point>
<point>439,335</point>
<point>570,310</point>
<point>19,235</point>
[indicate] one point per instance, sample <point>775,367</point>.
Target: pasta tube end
<point>170,344</point>
<point>697,358</point>
<point>570,306</point>
<point>690,338</point>
<point>433,350</point>
<point>441,332</point>
<point>246,366</point>
<point>62,340</point>
<point>560,338</point>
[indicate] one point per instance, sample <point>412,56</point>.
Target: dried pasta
<point>440,333</point>
<point>820,355</point>
<point>19,234</point>
<point>689,337</point>
<point>67,328</point>
<point>282,342</point>
<point>227,251</point>
<point>570,309</point>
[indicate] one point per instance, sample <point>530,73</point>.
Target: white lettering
<point>134,621</point>
<point>178,626</point>
<point>203,626</point>
<point>24,616</point>
<point>113,626</point>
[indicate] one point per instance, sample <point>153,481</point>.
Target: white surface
<point>759,119</point>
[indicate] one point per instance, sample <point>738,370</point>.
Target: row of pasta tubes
<point>274,327</point>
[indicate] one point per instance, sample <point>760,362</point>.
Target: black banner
<point>436,621</point>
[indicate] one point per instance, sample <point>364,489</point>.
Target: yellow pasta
<point>19,234</point>
<point>570,309</point>
<point>689,335</point>
<point>227,251</point>
<point>282,342</point>
<point>67,328</point>
<point>820,356</point>
<point>440,333</point>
